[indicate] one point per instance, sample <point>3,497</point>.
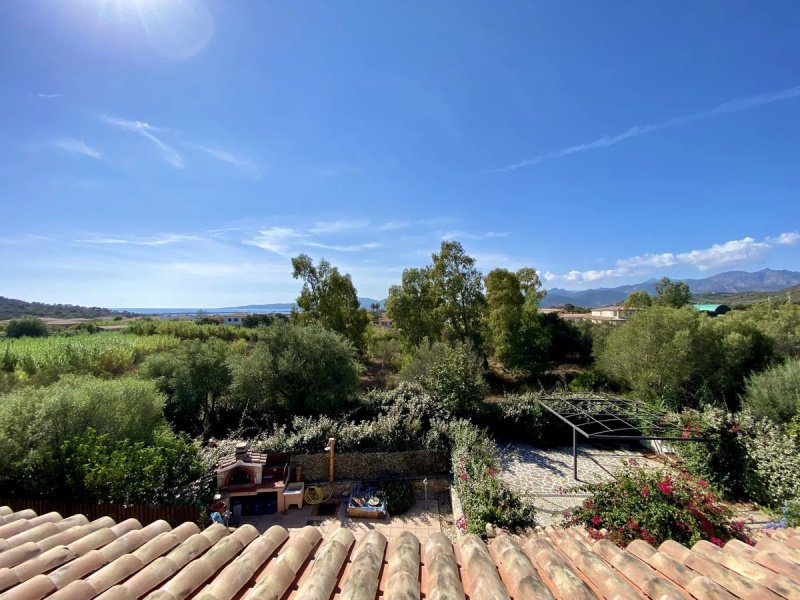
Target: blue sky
<point>178,153</point>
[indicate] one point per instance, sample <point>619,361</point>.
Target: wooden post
<point>331,446</point>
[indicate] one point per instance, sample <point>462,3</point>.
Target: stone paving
<point>546,474</point>
<point>424,518</point>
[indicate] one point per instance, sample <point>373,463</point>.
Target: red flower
<point>717,541</point>
<point>645,491</point>
<point>463,476</point>
<point>702,483</point>
<point>666,486</point>
<point>596,520</point>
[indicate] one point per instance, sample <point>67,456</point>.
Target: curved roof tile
<point>71,558</point>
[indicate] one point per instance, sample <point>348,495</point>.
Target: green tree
<point>531,287</point>
<point>294,370</point>
<point>683,358</point>
<point>329,298</point>
<point>458,284</point>
<point>26,327</point>
<point>194,378</point>
<point>504,302</point>
<point>638,299</point>
<point>516,334</point>
<point>412,307</point>
<point>672,293</point>
<point>655,354</point>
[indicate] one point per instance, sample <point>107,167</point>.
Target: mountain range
<point>727,286</point>
<point>766,280</point>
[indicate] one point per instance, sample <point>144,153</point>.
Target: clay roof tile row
<point>73,559</point>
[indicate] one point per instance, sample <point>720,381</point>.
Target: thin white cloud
<point>341,225</point>
<point>456,234</point>
<point>77,147</point>
<point>279,240</point>
<point>49,96</point>
<point>722,255</point>
<point>162,240</point>
<point>350,248</point>
<point>393,225</point>
<point>790,238</point>
<point>638,130</point>
<point>230,158</point>
<point>146,130</point>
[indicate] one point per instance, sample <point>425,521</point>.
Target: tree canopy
<point>329,298</point>
<point>294,370</point>
<point>672,293</point>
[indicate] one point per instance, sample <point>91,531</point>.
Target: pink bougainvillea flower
<point>702,483</point>
<point>666,486</point>
<point>717,541</point>
<point>596,520</point>
<point>463,476</point>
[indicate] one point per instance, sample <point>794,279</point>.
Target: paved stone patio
<point>546,474</point>
<point>424,518</point>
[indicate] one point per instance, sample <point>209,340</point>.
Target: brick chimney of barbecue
<point>241,451</point>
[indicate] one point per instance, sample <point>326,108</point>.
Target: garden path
<point>545,474</point>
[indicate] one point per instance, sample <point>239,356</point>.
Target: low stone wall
<point>371,465</point>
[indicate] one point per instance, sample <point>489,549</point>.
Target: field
<point>107,353</point>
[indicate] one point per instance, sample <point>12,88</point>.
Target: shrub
<point>399,496</point>
<point>295,369</point>
<point>93,467</point>
<point>773,465</point>
<point>747,458</point>
<point>26,327</point>
<point>722,460</point>
<point>654,506</point>
<point>485,497</point>
<point>451,374</point>
<point>521,417</point>
<point>36,421</point>
<point>775,393</point>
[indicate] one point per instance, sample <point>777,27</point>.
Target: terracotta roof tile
<point>74,559</point>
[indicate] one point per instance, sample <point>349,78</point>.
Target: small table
<point>293,495</point>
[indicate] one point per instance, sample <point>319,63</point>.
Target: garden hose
<point>315,495</point>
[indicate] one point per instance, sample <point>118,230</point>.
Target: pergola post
<point>575,453</point>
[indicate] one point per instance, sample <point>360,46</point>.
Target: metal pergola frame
<point>605,418</point>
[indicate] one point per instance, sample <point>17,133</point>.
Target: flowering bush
<point>747,457</point>
<point>655,506</point>
<point>485,498</point>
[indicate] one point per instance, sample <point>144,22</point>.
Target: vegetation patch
<point>655,506</point>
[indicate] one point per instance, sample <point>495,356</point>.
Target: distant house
<point>614,312</point>
<point>552,311</point>
<point>233,318</point>
<point>603,314</point>
<point>384,322</point>
<point>712,309</point>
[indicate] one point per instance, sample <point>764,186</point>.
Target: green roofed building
<point>712,309</point>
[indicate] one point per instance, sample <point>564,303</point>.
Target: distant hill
<point>13,309</point>
<point>730,282</point>
<point>746,298</point>
<point>276,307</point>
